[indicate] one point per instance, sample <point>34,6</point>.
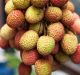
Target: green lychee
<point>53,14</point>
<point>34,15</point>
<point>45,45</point>
<point>56,30</point>
<point>29,40</point>
<point>9,7</point>
<point>69,43</point>
<point>21,4</point>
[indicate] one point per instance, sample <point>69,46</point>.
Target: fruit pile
<point>44,31</point>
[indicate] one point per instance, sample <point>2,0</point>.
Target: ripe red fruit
<point>24,69</point>
<point>15,19</point>
<point>76,56</point>
<point>29,57</point>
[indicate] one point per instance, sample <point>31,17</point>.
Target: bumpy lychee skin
<point>29,40</point>
<point>76,26</point>
<point>56,49</point>
<point>9,7</point>
<point>18,37</point>
<point>30,57</point>
<point>38,27</point>
<point>69,43</point>
<point>15,19</point>
<point>61,57</point>
<point>3,43</point>
<point>39,3</point>
<point>69,6</point>
<point>6,32</point>
<point>21,4</point>
<point>43,67</point>
<point>67,18</point>
<point>53,14</point>
<point>34,15</point>
<point>24,69</point>
<point>59,3</point>
<point>76,56</point>
<point>56,30</point>
<point>45,45</point>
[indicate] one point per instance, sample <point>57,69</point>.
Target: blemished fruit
<point>76,56</point>
<point>58,3</point>
<point>56,30</point>
<point>39,3</point>
<point>56,49</point>
<point>30,57</point>
<point>76,16</point>
<point>24,69</point>
<point>18,37</point>
<point>69,43</point>
<point>69,6</point>
<point>21,4</point>
<point>29,40</point>
<point>9,7</point>
<point>3,43</point>
<point>76,26</point>
<point>7,33</point>
<point>61,57</point>
<point>34,15</point>
<point>15,19</point>
<point>53,14</point>
<point>67,19</point>
<point>43,67</point>
<point>38,27</point>
<point>45,45</point>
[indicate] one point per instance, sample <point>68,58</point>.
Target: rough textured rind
<point>30,57</point>
<point>43,67</point>
<point>58,3</point>
<point>45,45</point>
<point>15,19</point>
<point>24,69</point>
<point>76,56</point>
<point>56,30</point>
<point>53,14</point>
<point>9,7</point>
<point>34,15</point>
<point>29,40</point>
<point>6,32</point>
<point>39,3</point>
<point>69,43</point>
<point>21,4</point>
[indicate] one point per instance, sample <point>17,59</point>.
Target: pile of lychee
<point>44,31</point>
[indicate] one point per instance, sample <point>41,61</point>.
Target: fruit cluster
<point>44,31</point>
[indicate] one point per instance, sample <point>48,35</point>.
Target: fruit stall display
<point>44,31</point>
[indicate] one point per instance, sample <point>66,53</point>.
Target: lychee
<point>21,4</point>
<point>58,3</point>
<point>67,19</point>
<point>56,30</point>
<point>39,3</point>
<point>45,45</point>
<point>29,40</point>
<point>76,16</point>
<point>34,15</point>
<point>53,14</point>
<point>9,7</point>
<point>69,43</point>
<point>7,33</point>
<point>76,26</point>
<point>76,56</point>
<point>30,57</point>
<point>18,37</point>
<point>15,19</point>
<point>24,69</point>
<point>43,67</point>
